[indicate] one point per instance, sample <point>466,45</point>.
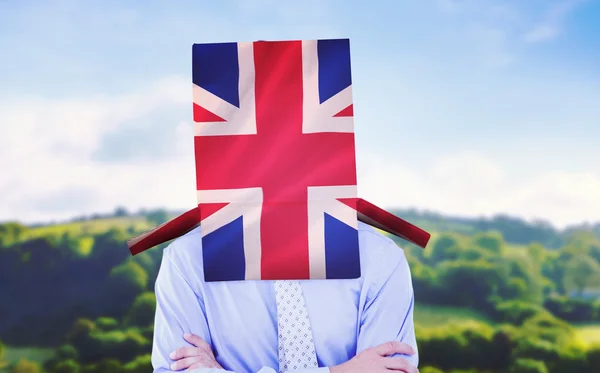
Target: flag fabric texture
<point>275,160</point>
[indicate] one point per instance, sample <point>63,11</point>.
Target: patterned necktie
<point>296,344</point>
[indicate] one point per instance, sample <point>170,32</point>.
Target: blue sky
<point>472,107</point>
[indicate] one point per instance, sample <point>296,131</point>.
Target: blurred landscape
<point>493,295</point>
<point>466,107</point>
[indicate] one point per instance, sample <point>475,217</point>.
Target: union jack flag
<point>275,160</point>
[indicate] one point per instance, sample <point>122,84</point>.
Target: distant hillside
<point>514,230</point>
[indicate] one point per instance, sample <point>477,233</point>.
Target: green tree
<point>464,346</point>
<point>157,217</point>
<point>580,241</point>
<point>572,359</point>
<point>3,363</point>
<point>582,272</point>
<point>439,251</point>
<point>93,344</point>
<point>525,282</point>
<point>593,357</point>
<point>128,277</point>
<point>26,366</point>
<point>548,328</point>
<point>516,312</point>
<point>66,352</point>
<point>142,311</point>
<point>108,250</point>
<point>425,283</point>
<point>553,269</point>
<point>149,262</point>
<point>105,366</point>
<point>66,366</point>
<point>595,252</point>
<point>141,364</point>
<point>537,253</point>
<point>106,324</point>
<point>81,327</point>
<point>77,246</point>
<point>11,233</point>
<point>43,255</point>
<point>121,212</point>
<point>528,366</point>
<point>492,242</point>
<point>573,309</point>
<point>430,369</point>
<point>474,284</point>
<point>80,337</point>
<point>125,283</point>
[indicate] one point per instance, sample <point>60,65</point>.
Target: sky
<point>463,107</point>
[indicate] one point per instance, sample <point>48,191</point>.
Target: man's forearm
<point>262,370</point>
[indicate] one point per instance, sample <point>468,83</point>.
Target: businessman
<point>363,325</point>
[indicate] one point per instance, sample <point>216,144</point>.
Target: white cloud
<point>541,33</point>
<point>499,30</point>
<point>34,126</point>
<point>551,23</point>
<point>47,146</point>
<point>565,197</point>
<point>49,172</point>
<point>468,184</point>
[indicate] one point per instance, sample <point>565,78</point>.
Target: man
<point>232,326</point>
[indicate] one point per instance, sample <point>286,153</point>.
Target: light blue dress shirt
<point>239,319</point>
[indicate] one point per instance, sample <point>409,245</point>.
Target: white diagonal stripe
<point>238,121</point>
<point>319,117</point>
<point>321,200</point>
<point>242,202</point>
<point>337,103</point>
<point>212,103</point>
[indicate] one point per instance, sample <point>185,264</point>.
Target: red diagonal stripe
<point>347,112</point>
<point>203,115</point>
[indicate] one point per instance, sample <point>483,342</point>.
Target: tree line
<point>84,296</point>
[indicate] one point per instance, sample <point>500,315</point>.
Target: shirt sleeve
<point>263,370</point>
<point>179,310</point>
<point>387,314</point>
<point>388,311</point>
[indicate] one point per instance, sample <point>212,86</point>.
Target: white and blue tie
<point>296,344</point>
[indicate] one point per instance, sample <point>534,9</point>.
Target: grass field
<point>88,227</point>
<point>429,316</point>
<point>589,334</point>
<point>30,353</point>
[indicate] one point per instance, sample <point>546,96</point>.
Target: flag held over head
<point>275,160</point>
<point>275,164</point>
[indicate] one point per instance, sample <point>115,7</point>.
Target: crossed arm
<point>387,317</point>
<point>200,359</point>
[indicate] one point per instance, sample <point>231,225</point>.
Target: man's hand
<point>190,358</point>
<point>377,360</point>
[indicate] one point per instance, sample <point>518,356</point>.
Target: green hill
<point>492,295</point>
<point>433,316</point>
<point>514,230</point>
<point>89,227</point>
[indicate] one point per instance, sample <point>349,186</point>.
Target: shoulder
<point>186,243</point>
<point>378,249</point>
<point>381,259</point>
<point>379,254</point>
<point>185,255</point>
